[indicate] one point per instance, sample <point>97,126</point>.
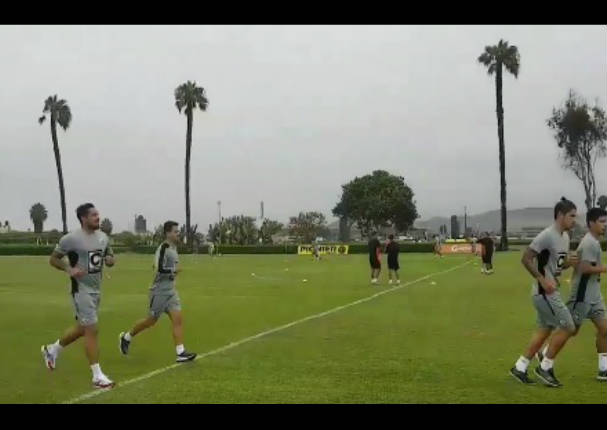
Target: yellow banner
<point>323,249</point>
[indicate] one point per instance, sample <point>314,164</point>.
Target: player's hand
<point>76,272</point>
<point>573,260</point>
<point>549,285</point>
<point>109,260</point>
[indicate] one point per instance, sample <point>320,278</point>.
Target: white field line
<point>262,334</point>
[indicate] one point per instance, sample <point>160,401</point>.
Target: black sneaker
<point>521,376</point>
<point>602,376</point>
<point>185,356</point>
<point>547,377</point>
<point>124,344</point>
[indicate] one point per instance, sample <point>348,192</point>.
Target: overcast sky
<point>295,112</point>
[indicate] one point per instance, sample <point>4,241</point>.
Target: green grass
<point>452,342</point>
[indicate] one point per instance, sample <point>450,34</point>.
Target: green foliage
<point>581,132</point>
<point>602,202</point>
<point>38,215</point>
<point>377,200</point>
<point>307,226</point>
<point>268,229</point>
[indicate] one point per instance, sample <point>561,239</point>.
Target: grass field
<point>451,342</point>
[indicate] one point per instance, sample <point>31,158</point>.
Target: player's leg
<point>566,328</point>
<point>390,276</point>
<point>599,318</point>
<point>174,311</point>
<point>51,352</point>
<point>519,371</point>
<point>156,307</point>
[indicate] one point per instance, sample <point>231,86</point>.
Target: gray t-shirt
<point>552,248</point>
<point>165,265</point>
<point>587,288</point>
<point>87,251</point>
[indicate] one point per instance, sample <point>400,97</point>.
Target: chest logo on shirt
<point>560,262</point>
<point>95,261</point>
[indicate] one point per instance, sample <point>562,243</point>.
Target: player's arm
<point>587,268</point>
<point>528,260</point>
<point>109,256</point>
<point>58,262</point>
<point>590,261</point>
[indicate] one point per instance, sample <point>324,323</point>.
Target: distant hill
<point>490,221</point>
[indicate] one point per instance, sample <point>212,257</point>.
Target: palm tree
<point>107,226</point>
<point>602,202</point>
<point>188,97</point>
<point>61,114</point>
<point>38,215</point>
<point>495,58</point>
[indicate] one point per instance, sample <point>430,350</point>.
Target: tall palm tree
<point>60,113</point>
<point>38,215</point>
<point>188,97</point>
<point>495,58</point>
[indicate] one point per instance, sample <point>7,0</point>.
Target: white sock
<point>97,373</point>
<point>179,349</point>
<point>547,363</point>
<point>603,362</point>
<point>522,364</point>
<point>127,336</point>
<point>55,348</point>
<point>545,351</point>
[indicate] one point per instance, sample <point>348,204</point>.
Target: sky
<point>294,113</point>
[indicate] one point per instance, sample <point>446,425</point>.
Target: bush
<point>20,249</point>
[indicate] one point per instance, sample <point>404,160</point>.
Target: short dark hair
<point>83,210</point>
<point>564,206</point>
<point>594,214</point>
<point>391,237</point>
<point>168,226</point>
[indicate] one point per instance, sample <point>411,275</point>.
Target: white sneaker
<point>49,359</point>
<point>398,282</point>
<point>390,282</point>
<point>103,382</point>
<point>374,281</point>
<point>483,270</point>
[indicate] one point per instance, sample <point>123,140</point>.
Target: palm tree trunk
<point>59,172</point>
<point>188,149</point>
<point>502,155</point>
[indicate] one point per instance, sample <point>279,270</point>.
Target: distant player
<point>392,249</point>
<point>545,259</point>
<point>86,249</point>
<point>163,295</point>
<point>437,245</point>
<point>211,249</point>
<point>316,251</point>
<point>374,257</point>
<point>487,253</point>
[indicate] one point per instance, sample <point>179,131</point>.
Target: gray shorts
<point>161,303</point>
<point>581,311</point>
<point>552,313</point>
<point>86,306</point>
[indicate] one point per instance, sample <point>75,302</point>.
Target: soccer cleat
<point>489,272</point>
<point>398,282</point>
<point>547,377</point>
<point>103,382</point>
<point>390,282</point>
<point>123,344</point>
<point>185,356</point>
<point>49,359</point>
<point>602,376</point>
<point>522,377</point>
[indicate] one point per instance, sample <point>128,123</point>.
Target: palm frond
<point>41,119</point>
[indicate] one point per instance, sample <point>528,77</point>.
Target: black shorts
<point>393,264</point>
<point>487,257</point>
<point>374,262</point>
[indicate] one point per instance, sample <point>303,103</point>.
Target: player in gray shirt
<point>586,300</point>
<point>87,249</point>
<point>545,259</point>
<point>163,295</point>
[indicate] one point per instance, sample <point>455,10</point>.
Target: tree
<point>106,226</point>
<point>307,226</point>
<point>602,202</point>
<point>268,229</point>
<point>580,131</point>
<point>495,58</point>
<point>38,215</point>
<point>59,113</point>
<point>188,97</point>
<point>377,201</point>
<point>344,229</point>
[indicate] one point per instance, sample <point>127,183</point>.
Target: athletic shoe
<point>123,344</point>
<point>185,356</point>
<point>49,359</point>
<point>103,382</point>
<point>602,376</point>
<point>398,282</point>
<point>390,282</point>
<point>547,377</point>
<point>521,376</point>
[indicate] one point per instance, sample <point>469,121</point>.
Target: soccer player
<point>392,249</point>
<point>487,253</point>
<point>163,295</point>
<point>545,259</point>
<point>586,300</point>
<point>374,257</point>
<point>437,245</point>
<point>87,250</point>
<point>316,251</point>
